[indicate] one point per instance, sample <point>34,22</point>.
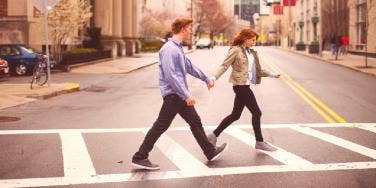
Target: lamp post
<point>300,46</point>
<point>314,47</point>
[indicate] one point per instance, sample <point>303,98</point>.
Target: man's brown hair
<point>243,35</point>
<point>179,24</point>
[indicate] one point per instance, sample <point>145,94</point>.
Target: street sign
<point>44,5</point>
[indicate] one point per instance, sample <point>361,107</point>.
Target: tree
<point>155,24</point>
<point>211,18</point>
<point>65,20</point>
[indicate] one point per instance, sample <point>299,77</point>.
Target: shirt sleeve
<point>195,71</point>
<point>170,62</point>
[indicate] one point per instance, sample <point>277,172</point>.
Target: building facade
<point>21,24</point>
<point>361,13</point>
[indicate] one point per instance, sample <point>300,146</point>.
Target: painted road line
<point>168,175</point>
<point>286,78</point>
<point>311,96</point>
<point>337,141</point>
<point>77,161</point>
<point>280,155</point>
<point>369,126</point>
<point>184,160</point>
<point>314,101</point>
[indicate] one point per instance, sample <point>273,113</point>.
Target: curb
<point>72,87</point>
<point>326,61</point>
<point>69,67</point>
<point>138,68</point>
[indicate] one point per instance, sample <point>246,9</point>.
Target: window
<point>361,22</point>
<point>3,8</point>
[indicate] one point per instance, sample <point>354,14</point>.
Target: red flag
<point>289,2</point>
<point>277,9</point>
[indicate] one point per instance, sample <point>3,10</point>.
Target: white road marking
<point>185,128</point>
<point>184,160</point>
<point>139,176</point>
<point>77,161</point>
<point>338,141</point>
<point>78,167</point>
<point>367,128</point>
<point>280,155</point>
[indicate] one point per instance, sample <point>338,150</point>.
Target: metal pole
<point>240,9</point>
<point>289,26</point>
<point>47,48</point>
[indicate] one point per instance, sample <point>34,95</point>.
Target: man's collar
<point>177,42</point>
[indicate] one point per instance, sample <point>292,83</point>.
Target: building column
<point>135,29</point>
<point>127,26</point>
<point>117,18</point>
<point>117,23</point>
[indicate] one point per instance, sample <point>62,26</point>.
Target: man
<point>173,68</point>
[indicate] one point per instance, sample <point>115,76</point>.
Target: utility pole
<point>191,42</point>
<point>289,26</point>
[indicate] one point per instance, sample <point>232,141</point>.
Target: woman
<point>246,70</point>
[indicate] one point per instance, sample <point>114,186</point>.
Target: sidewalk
<point>17,94</point>
<point>14,94</point>
<point>354,62</point>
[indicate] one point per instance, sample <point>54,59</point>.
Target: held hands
<point>210,84</point>
<point>190,101</point>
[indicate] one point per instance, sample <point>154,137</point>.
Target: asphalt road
<point>86,139</point>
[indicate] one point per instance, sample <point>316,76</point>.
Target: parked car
<point>4,68</point>
<point>204,43</point>
<point>21,60</point>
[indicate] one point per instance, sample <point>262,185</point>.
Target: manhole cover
<point>97,89</point>
<point>8,119</point>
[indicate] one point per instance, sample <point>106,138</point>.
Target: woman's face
<point>249,42</point>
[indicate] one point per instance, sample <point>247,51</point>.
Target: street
<point>320,116</point>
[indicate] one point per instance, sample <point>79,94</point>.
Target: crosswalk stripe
<point>371,126</point>
<point>367,128</point>
<point>337,141</point>
<point>281,155</point>
<point>126,177</point>
<point>184,160</point>
<point>77,161</point>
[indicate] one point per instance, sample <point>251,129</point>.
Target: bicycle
<point>40,75</point>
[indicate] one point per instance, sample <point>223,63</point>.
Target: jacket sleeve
<point>229,60</point>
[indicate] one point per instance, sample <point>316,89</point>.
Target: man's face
<point>187,32</point>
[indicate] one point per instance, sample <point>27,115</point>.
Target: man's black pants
<point>172,105</point>
<point>243,97</point>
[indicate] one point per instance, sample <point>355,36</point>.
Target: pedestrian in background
<point>345,44</point>
<point>246,70</point>
<point>173,69</point>
<point>333,45</point>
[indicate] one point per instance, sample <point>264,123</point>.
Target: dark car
<point>4,68</point>
<point>21,60</point>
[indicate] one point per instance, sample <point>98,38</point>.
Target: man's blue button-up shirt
<point>173,68</point>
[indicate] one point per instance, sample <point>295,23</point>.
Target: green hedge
<point>76,51</point>
<point>149,45</point>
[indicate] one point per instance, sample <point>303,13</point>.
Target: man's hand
<point>211,84</point>
<point>190,101</point>
<point>277,75</point>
